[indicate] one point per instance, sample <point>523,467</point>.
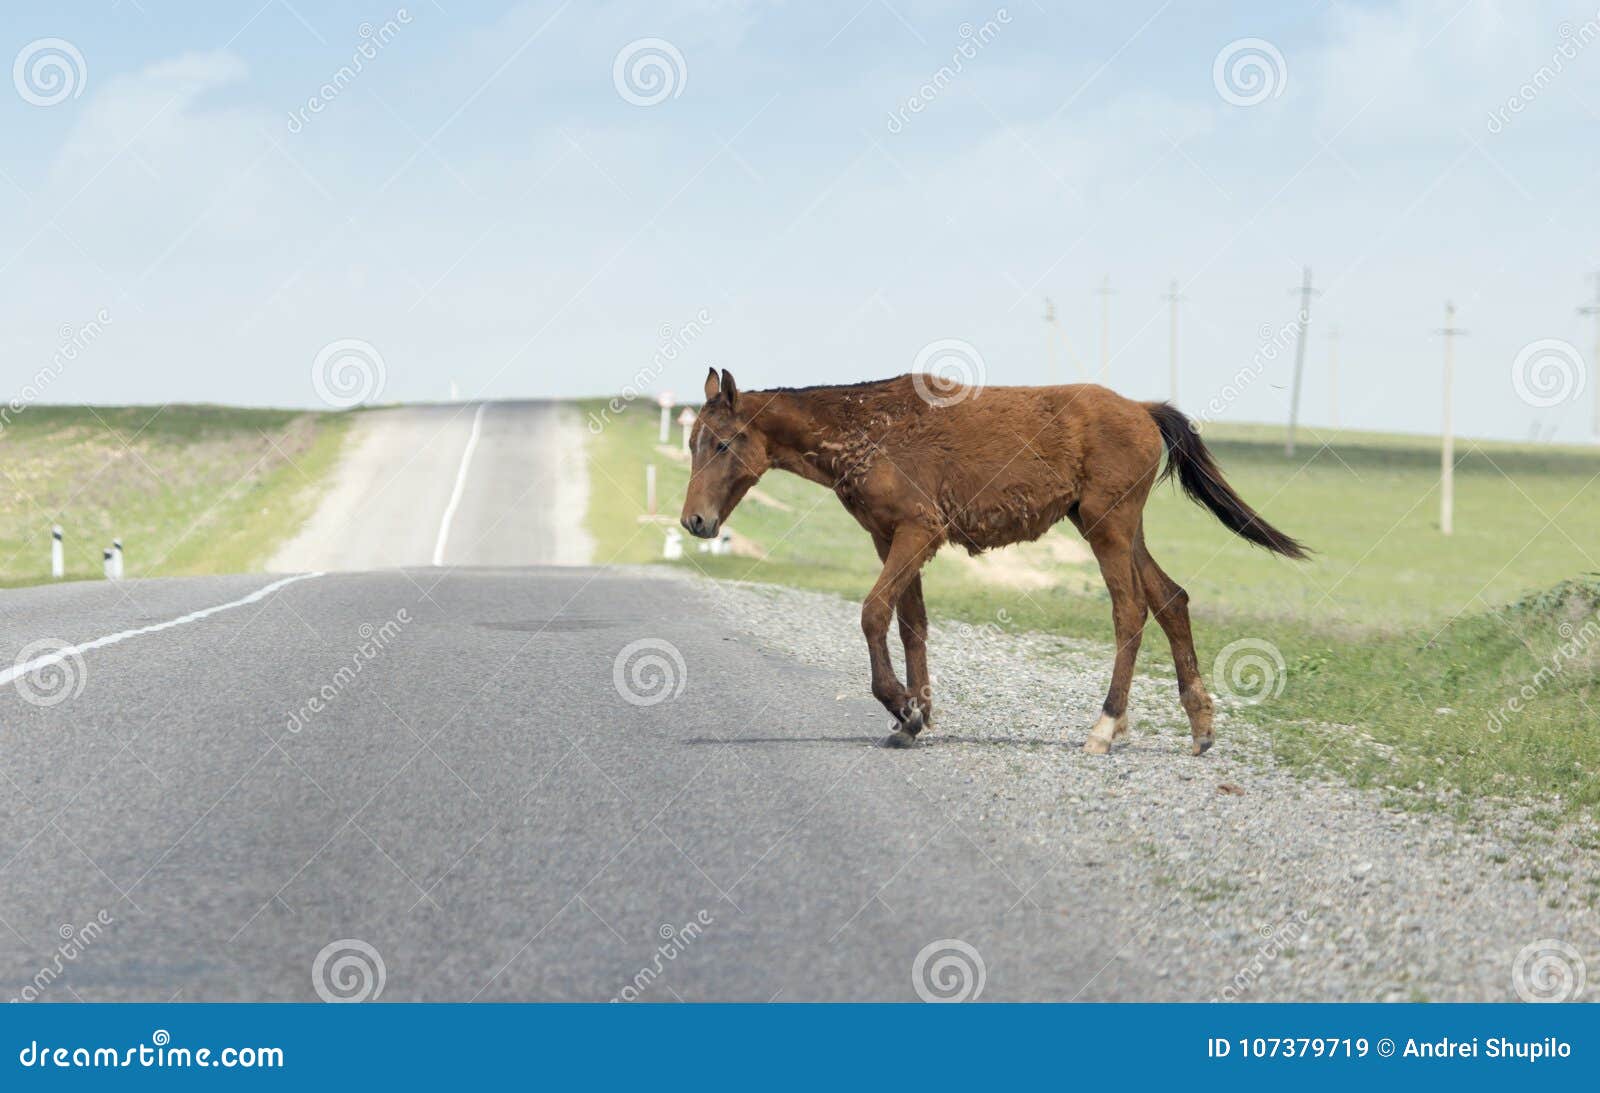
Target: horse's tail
<point>1202,480</point>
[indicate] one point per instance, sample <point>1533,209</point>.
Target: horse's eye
<point>722,445</point>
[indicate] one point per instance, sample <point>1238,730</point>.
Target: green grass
<point>189,489</point>
<point>1390,623</point>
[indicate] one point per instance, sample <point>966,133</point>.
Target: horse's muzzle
<point>701,527</point>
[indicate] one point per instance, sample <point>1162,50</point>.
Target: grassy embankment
<point>1403,649</point>
<point>189,489</point>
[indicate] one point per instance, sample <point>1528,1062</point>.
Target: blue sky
<point>483,206</point>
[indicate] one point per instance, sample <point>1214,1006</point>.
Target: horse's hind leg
<point>1112,539</point>
<point>1170,604</point>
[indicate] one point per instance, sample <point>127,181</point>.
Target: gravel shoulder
<point>1243,880</point>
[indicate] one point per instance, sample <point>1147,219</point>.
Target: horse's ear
<point>729,391</point>
<point>711,385</point>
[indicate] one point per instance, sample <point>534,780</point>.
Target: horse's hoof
<point>914,722</point>
<point>1202,744</point>
<point>1097,745</point>
<point>899,739</point>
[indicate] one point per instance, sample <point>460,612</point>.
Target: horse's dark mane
<point>844,406</point>
<point>828,387</point>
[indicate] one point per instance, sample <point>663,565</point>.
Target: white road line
<point>461,485</point>
<point>112,639</point>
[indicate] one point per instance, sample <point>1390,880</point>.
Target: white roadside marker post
<point>664,400</point>
<point>58,561</point>
<point>116,558</point>
<point>686,422</point>
<point>109,565</point>
<point>672,549</point>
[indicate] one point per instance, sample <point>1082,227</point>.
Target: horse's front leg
<point>910,546</point>
<point>913,616</point>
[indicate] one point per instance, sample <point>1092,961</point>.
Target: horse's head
<point>729,454</point>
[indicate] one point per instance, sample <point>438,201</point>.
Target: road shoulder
<point>1256,882</point>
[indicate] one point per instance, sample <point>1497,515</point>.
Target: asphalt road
<point>498,483</point>
<point>493,779</point>
<point>479,802</point>
<point>481,780</point>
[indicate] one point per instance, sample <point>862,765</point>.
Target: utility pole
<point>1173,297</point>
<point>1594,361</point>
<point>1303,320</point>
<point>1447,447</point>
<point>1333,374</point>
<point>1105,292</point>
<point>1056,330</point>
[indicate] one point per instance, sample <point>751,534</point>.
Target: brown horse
<point>920,463</point>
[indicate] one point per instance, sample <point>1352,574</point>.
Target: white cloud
<point>156,163</point>
<point>1431,67</point>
